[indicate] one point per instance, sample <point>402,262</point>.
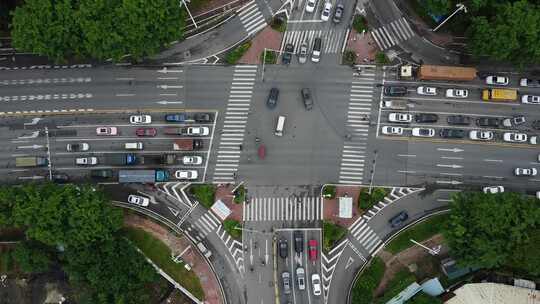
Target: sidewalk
<point>331,206</point>
<point>267,38</point>
<point>223,193</point>
<point>363,45</point>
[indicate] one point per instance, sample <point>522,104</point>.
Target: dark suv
<point>306,98</point>
<point>458,120</point>
<point>491,122</point>
<point>298,241</point>
<point>271,102</point>
<point>452,133</point>
<point>287,53</point>
<point>395,91</point>
<point>398,219</point>
<point>426,118</point>
<point>283,249</point>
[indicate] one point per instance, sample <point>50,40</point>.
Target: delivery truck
<point>438,72</point>
<point>120,159</point>
<point>499,95</point>
<point>163,159</point>
<point>175,131</point>
<point>31,161</point>
<point>143,176</point>
<point>187,144</point>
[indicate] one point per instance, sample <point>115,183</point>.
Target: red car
<point>312,250</point>
<point>146,132</point>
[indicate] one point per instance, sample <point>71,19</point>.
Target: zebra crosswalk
<point>365,235</point>
<point>283,209</point>
<point>206,224</point>
<point>391,34</point>
<point>236,116</point>
<point>235,247</point>
<point>332,39</point>
<point>395,194</point>
<point>251,17</point>
<point>357,126</point>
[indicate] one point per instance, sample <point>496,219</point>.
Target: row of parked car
<point>327,10</point>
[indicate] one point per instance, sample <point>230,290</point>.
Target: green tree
<point>437,7</point>
<point>365,285</point>
<point>32,257</point>
<point>485,229</point>
<point>113,269</point>
<point>7,199</point>
<point>512,34</point>
<point>526,258</point>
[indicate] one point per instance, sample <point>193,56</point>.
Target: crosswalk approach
<point>357,126</point>
<point>283,209</point>
<point>251,17</point>
<point>332,40</point>
<point>392,33</point>
<point>234,126</point>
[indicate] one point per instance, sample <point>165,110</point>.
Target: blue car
<point>179,117</point>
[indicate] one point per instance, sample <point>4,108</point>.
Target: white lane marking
<point>406,171</point>
<point>406,155</point>
<point>453,166</point>
<point>451,157</point>
<point>493,160</point>
<point>490,176</point>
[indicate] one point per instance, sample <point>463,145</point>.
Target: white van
<point>316,54</point>
<point>280,125</point>
<point>206,252</point>
<point>133,146</point>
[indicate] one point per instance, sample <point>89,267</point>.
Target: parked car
<point>133,146</point>
<point>312,249</point>
<point>80,147</point>
<point>198,131</point>
<point>493,189</point>
<point>301,278</point>
<point>283,248</point>
<point>310,6</point>
<point>422,90</point>
<point>192,160</point>
<point>389,130</point>
<point>107,131</point>
<point>86,161</point>
<point>490,122</point>
<point>423,132</point>
<point>527,82</point>
<point>306,98</point>
<point>303,53</point>
<point>395,91</point>
<point>497,80</point>
<point>101,173</point>
<point>146,132</point>
<point>530,99</point>
<point>525,172</point>
<point>515,137</point>
<point>138,200</point>
<point>400,117</point>
<point>513,121</point>
<point>186,174</point>
<point>426,118</point>
<point>316,284</point>
<point>338,13</point>
<point>272,99</point>
<point>481,135</point>
<point>452,133</point>
<point>140,119</point>
<point>327,10</point>
<point>176,117</point>
<point>533,140</point>
<point>60,178</point>
<point>286,278</point>
<point>398,219</point>
<point>298,241</point>
<point>458,120</point>
<point>287,53</point>
<point>457,93</point>
<point>202,117</point>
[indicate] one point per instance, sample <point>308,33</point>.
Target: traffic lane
<point>313,266</point>
<point>259,279</point>
<point>285,265</point>
<point>347,266</point>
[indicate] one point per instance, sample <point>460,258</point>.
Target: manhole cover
<point>187,54</point>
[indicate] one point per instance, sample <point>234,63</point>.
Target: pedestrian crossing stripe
<point>251,18</point>
<point>392,33</point>
<point>331,39</point>
<point>283,209</point>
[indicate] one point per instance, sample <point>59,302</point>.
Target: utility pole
<point>433,251</point>
<point>459,8</point>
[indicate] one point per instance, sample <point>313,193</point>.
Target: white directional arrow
<point>30,147</point>
<point>164,102</point>
<point>33,122</point>
<point>173,211</point>
<point>454,166</point>
<point>452,182</point>
<point>164,86</point>
<point>31,135</point>
<point>450,150</point>
<point>165,71</point>
<point>349,262</point>
<point>266,252</point>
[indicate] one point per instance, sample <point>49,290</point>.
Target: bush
<point>332,233</point>
<point>229,226</point>
<point>366,200</point>
<point>205,194</point>
<point>270,58</point>
<point>419,233</point>
<point>401,280</point>
<point>360,23</point>
<point>240,195</point>
<point>279,24</point>
<point>381,58</point>
<point>329,191</point>
<point>235,55</point>
<point>349,57</point>
<point>367,282</point>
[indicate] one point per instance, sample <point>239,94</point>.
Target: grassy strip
<point>279,25</point>
<point>368,281</point>
<point>329,191</point>
<point>332,234</point>
<point>160,254</point>
<point>270,58</point>
<point>360,23</point>
<point>229,226</point>
<point>401,280</point>
<point>240,195</point>
<point>237,53</point>
<point>205,194</point>
<point>366,200</point>
<point>6,261</point>
<point>419,233</point>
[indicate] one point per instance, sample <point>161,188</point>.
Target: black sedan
<point>458,120</point>
<point>287,53</point>
<point>395,91</point>
<point>452,133</point>
<point>426,118</point>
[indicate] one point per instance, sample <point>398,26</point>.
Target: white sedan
<point>481,135</point>
<point>310,6</point>
<point>426,90</point>
<point>192,160</point>
<point>316,283</point>
<point>138,200</point>
<point>530,99</point>
<point>86,161</point>
<point>423,132</point>
<point>493,189</point>
<point>515,137</point>
<point>497,80</point>
<point>140,119</point>
<point>457,93</point>
<point>326,11</point>
<point>186,174</point>
<point>389,130</point>
<point>106,131</point>
<point>525,171</point>
<point>198,131</point>
<point>400,117</point>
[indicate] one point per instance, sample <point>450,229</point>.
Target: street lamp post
<point>459,8</point>
<point>433,251</point>
<point>264,62</point>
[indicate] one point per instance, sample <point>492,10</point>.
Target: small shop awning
<point>221,210</point>
<point>345,207</point>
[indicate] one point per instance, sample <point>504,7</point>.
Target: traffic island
<point>269,39</point>
<point>335,196</point>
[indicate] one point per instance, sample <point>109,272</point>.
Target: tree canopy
<point>486,230</point>
<point>98,29</point>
